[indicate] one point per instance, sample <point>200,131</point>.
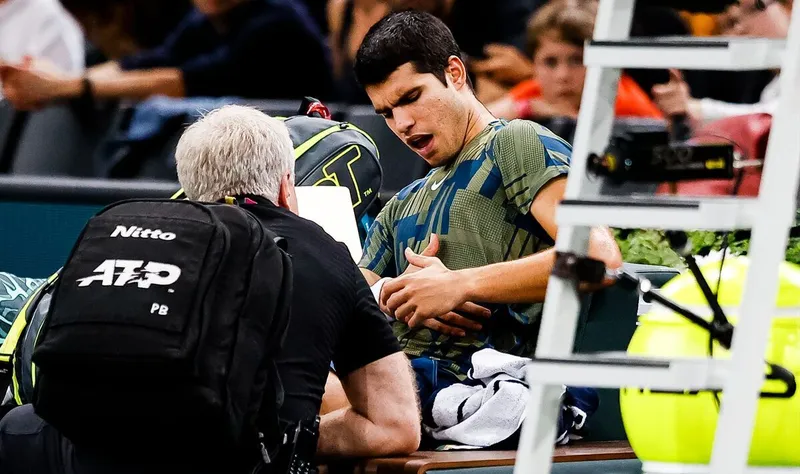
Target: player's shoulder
<point>528,136</point>
<point>523,130</point>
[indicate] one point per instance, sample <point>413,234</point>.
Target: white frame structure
<point>770,216</point>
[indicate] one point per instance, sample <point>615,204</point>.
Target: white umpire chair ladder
<point>770,217</point>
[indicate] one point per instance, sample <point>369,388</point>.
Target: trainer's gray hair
<point>234,150</point>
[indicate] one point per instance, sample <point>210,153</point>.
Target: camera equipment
<point>648,155</point>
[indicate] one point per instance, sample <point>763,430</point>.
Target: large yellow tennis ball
<point>680,428</point>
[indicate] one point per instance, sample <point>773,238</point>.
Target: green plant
<point>650,247</point>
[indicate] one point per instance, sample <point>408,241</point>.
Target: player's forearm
<point>347,433</point>
<point>127,84</point>
<point>525,280</point>
<point>517,281</point>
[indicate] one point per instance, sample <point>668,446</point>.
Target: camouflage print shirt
<point>14,291</point>
<point>479,205</point>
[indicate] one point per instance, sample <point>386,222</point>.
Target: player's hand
<point>428,294</point>
<point>464,319</point>
<point>430,251</point>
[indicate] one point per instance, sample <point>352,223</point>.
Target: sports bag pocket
<point>132,287</point>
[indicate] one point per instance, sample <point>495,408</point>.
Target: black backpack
<point>162,333</point>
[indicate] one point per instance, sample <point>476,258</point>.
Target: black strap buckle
<point>579,268</point>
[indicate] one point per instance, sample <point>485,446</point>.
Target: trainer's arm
<point>383,417</point>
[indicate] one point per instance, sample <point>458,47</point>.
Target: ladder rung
<point>613,370</point>
<point>660,213</point>
<point>680,52</point>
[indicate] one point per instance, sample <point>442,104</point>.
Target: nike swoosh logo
<point>436,186</point>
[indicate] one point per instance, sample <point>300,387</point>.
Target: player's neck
<point>479,118</point>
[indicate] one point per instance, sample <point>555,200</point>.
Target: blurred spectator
<point>556,35</point>
<point>243,48</point>
<point>119,28</point>
<point>40,29</point>
<point>491,35</point>
<point>348,22</point>
<point>674,97</point>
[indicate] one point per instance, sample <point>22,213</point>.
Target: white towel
<point>486,413</point>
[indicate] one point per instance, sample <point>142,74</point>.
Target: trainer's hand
<point>455,323</point>
<point>430,292</point>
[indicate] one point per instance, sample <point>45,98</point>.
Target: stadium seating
<point>61,140</point>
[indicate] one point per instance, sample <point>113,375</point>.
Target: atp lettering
<point>129,272</point>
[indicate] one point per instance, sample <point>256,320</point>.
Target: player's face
<point>558,66</point>
<point>428,116</point>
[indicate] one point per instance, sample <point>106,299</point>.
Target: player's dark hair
<point>405,37</point>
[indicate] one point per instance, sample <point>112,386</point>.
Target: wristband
<point>377,287</point>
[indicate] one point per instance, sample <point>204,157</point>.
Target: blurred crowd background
<point>524,56</point>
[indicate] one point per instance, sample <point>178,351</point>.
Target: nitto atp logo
<point>128,272</point>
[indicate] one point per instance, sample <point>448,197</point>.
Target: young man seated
<point>487,209</point>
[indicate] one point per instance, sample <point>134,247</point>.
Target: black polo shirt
<point>334,315</point>
<point>260,49</point>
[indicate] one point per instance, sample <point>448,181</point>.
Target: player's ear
<point>456,72</point>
